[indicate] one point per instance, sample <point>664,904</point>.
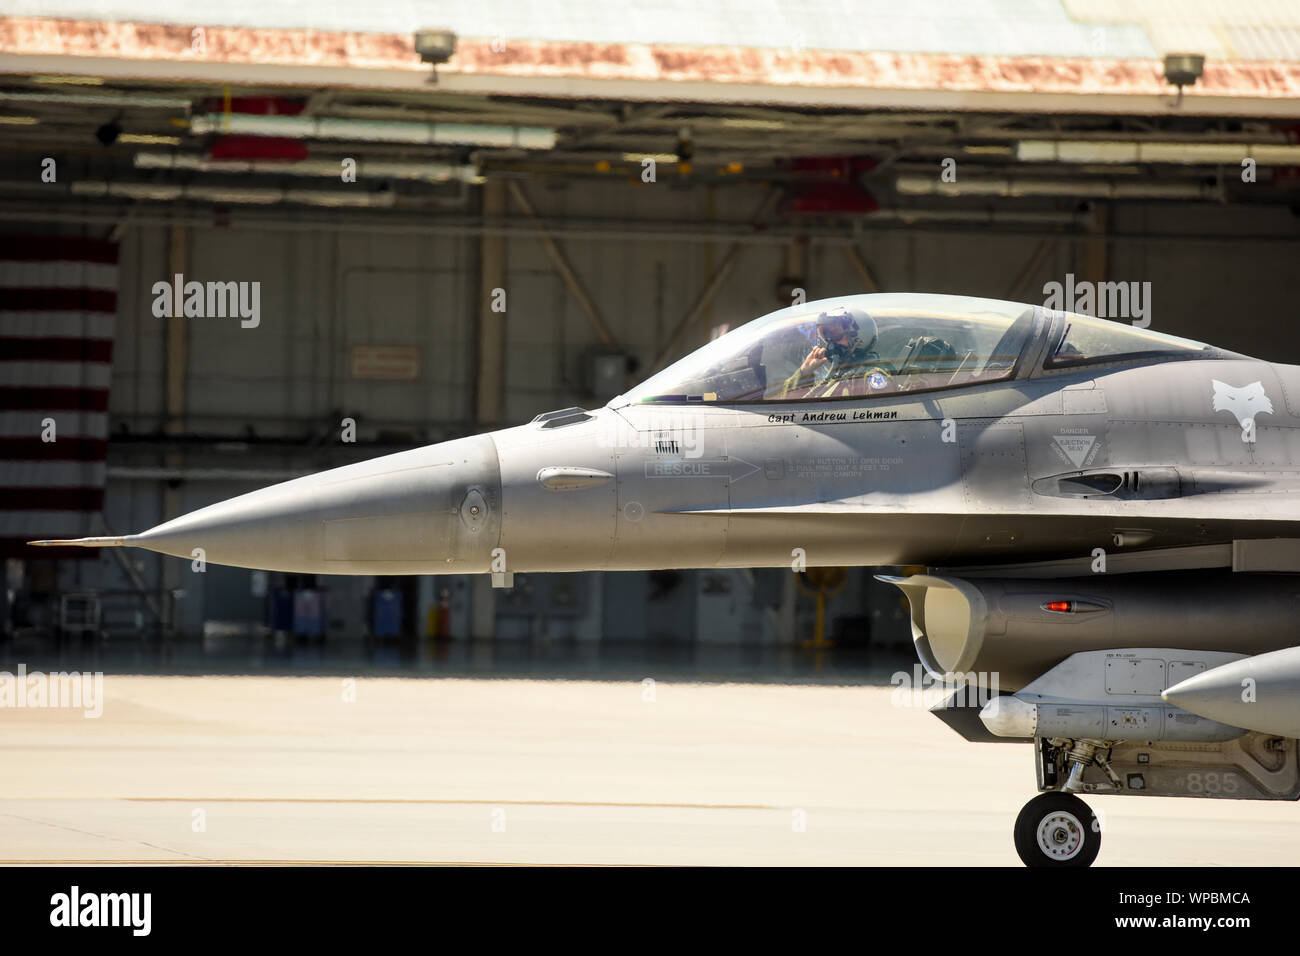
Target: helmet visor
<point>833,327</point>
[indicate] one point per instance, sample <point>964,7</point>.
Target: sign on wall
<point>384,363</point>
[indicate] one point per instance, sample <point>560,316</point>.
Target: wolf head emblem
<point>1245,402</point>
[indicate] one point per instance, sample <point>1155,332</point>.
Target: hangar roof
<point>1010,27</point>
<point>1147,29</point>
<point>968,55</point>
<point>1052,104</point>
<point>1242,30</point>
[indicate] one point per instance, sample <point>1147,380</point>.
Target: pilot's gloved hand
<point>815,359</point>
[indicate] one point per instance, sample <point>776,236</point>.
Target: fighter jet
<point>1107,519</point>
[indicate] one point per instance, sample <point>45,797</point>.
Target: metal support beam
<point>565,270</point>
<point>152,601</point>
<point>1093,264</point>
<point>796,262</point>
<point>177,335</point>
<point>969,223</point>
<point>120,227</point>
<point>1035,262</point>
<point>490,380</point>
<point>863,270</point>
<point>700,305</point>
<point>174,408</point>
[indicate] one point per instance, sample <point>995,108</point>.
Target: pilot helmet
<point>861,328</point>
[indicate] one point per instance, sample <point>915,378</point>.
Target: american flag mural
<point>58,299</point>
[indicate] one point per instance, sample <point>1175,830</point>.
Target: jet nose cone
<point>1258,693</point>
<point>1182,694</point>
<point>1215,690</point>
<point>433,509</point>
<point>270,529</point>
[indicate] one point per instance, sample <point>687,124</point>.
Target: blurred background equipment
<point>822,584</point>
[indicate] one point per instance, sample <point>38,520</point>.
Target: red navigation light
<point>1060,607</point>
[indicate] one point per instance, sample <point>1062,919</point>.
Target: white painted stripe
<point>57,325</point>
<point>51,474</point>
<point>56,374</point>
<point>57,275</point>
<point>48,524</point>
<point>29,424</point>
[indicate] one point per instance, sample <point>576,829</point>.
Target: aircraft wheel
<point>1057,830</point>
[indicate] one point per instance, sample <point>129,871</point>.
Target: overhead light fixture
<point>109,132</point>
<point>744,122</point>
<point>64,80</point>
<point>435,48</point>
<point>18,121</point>
<point>1133,152</point>
<point>244,195</point>
<point>435,45</point>
<point>1020,187</point>
<point>657,157</point>
<point>375,131</point>
<point>326,168</point>
<point>149,139</point>
<point>1002,214</point>
<point>106,98</point>
<point>1183,69</point>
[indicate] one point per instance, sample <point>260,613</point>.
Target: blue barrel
<point>386,613</point>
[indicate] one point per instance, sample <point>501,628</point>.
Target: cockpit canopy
<point>864,346</point>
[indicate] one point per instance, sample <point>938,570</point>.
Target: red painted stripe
<point>52,499</point>
<point>58,249</point>
<point>53,399</point>
<point>20,349</point>
<point>64,449</point>
<point>19,548</point>
<point>57,300</point>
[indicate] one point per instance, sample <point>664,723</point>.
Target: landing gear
<point>1057,830</point>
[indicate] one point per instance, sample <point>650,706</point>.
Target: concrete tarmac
<point>226,769</point>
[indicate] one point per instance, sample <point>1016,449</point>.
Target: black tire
<point>1057,830</point>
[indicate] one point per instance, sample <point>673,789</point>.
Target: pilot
<point>844,364</point>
